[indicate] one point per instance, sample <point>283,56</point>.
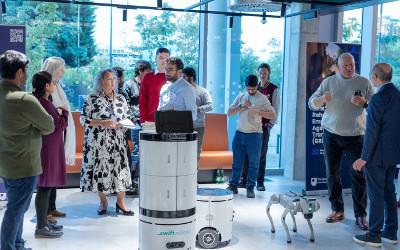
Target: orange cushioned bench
<point>216,154</point>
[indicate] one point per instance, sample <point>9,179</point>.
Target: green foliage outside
<point>66,30</point>
<point>388,41</point>
<point>352,31</point>
<point>75,41</point>
<point>40,22</point>
<point>275,61</point>
<point>178,33</point>
<point>53,30</point>
<point>249,62</point>
<point>388,45</point>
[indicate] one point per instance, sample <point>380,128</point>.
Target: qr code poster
<point>16,35</point>
<point>12,37</point>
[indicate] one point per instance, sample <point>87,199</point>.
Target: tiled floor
<point>85,230</point>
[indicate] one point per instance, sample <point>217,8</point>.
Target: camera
<point>357,92</point>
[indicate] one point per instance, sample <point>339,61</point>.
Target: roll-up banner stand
<point>321,63</point>
<point>12,37</point>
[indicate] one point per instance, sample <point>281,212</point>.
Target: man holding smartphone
<point>344,96</point>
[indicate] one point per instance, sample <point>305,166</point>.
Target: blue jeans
<point>382,196</point>
<point>263,157</point>
<point>19,194</point>
<point>250,144</point>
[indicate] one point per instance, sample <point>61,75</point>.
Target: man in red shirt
<point>152,82</point>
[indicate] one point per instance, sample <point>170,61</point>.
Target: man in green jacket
<point>23,121</point>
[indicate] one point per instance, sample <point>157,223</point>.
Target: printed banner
<point>321,63</point>
<point>12,37</point>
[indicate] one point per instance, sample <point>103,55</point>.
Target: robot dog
<point>293,203</point>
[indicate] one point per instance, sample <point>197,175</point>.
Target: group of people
<point>369,142</point>
<point>106,161</point>
<point>32,132</point>
<point>37,137</point>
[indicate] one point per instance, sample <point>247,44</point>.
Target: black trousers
<point>263,156</point>
<point>42,205</point>
<point>335,145</point>
<point>52,200</point>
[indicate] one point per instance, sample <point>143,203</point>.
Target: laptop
<point>171,121</point>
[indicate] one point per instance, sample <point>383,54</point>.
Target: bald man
<point>380,154</point>
<point>344,96</point>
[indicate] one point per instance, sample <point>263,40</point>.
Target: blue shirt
<point>180,96</point>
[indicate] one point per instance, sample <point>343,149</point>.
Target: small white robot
<point>214,217</point>
<point>293,203</point>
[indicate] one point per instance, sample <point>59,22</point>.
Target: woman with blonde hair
<point>56,67</point>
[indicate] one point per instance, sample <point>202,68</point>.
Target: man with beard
<point>267,88</point>
<point>177,94</point>
<point>252,106</point>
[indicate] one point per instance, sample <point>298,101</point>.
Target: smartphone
<point>357,92</point>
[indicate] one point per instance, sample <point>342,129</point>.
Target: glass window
<point>146,30</point>
<point>352,25</point>
<point>64,30</point>
<point>90,38</point>
<point>388,37</point>
<point>263,43</point>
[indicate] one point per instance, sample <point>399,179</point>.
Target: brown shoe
<point>335,217</point>
<point>361,222</point>
<point>57,213</point>
<point>52,219</point>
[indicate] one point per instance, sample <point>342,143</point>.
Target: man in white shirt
<point>251,106</point>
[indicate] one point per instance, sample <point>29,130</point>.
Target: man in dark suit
<point>380,154</point>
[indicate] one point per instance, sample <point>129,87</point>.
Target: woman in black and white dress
<point>105,165</point>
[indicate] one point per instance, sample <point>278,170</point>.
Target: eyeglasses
<point>170,69</point>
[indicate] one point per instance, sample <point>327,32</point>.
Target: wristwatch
<point>365,105</point>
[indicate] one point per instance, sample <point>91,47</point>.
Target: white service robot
<point>168,184</point>
<point>293,203</point>
<point>214,213</point>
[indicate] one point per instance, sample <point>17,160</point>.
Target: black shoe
<point>233,189</point>
<point>250,193</point>
<point>102,211</point>
<point>261,187</point>
<point>366,239</point>
<point>128,212</point>
<point>46,232</point>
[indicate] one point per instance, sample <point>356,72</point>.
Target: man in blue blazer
<point>380,154</point>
